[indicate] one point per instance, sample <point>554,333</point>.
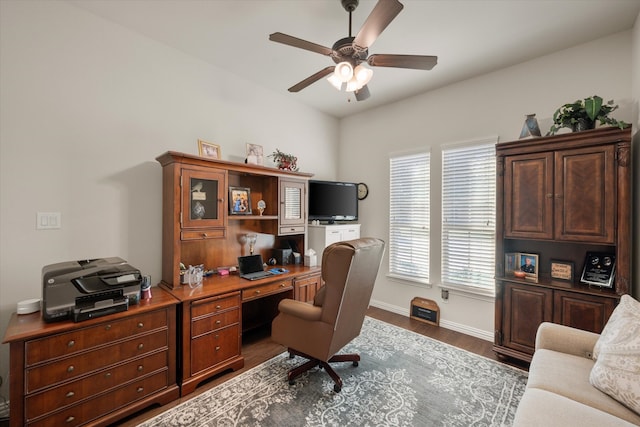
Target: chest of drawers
<point>93,372</point>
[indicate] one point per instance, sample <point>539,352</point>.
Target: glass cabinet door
<point>203,198</point>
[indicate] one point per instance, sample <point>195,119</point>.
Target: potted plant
<point>583,114</point>
<point>287,162</point>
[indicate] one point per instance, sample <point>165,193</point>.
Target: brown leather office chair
<point>318,331</point>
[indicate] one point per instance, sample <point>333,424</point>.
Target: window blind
<point>468,215</point>
<point>409,216</point>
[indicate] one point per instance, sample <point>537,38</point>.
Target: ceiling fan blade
<point>416,62</point>
<point>312,79</point>
<point>299,43</point>
<point>363,93</point>
<point>382,14</point>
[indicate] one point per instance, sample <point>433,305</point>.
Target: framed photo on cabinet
<point>207,149</point>
<point>239,201</point>
<point>529,266</point>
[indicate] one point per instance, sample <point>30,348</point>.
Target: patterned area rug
<point>404,379</point>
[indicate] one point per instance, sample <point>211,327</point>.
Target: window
<point>409,216</point>
<point>468,215</point>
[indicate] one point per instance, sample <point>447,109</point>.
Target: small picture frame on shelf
<point>207,149</point>
<point>529,265</point>
<point>511,260</point>
<point>239,201</point>
<point>562,270</point>
<point>255,154</point>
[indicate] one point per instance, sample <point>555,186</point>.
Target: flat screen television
<point>333,201</point>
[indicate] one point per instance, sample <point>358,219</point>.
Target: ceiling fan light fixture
<point>363,75</point>
<point>344,71</point>
<point>335,81</point>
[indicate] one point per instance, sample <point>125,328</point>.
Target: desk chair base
<point>312,363</point>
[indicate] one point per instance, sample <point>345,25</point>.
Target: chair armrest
<point>565,339</point>
<point>300,309</point>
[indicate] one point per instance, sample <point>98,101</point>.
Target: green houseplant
<point>583,114</point>
<point>285,161</point>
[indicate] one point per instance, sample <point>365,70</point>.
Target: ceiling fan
<point>351,53</point>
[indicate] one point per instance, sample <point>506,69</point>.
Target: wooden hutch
<point>202,225</point>
<point>560,197</point>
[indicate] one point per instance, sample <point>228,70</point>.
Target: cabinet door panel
<point>292,217</point>
<point>528,202</point>
<point>586,312</point>
<point>525,308</point>
<point>203,198</point>
<point>585,195</point>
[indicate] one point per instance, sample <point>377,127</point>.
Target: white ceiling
<point>470,37</point>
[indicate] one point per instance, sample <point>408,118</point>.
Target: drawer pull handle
<point>70,368</point>
<point>140,325</point>
<point>282,285</point>
<point>257,292</point>
<point>217,347</point>
<point>218,307</point>
<point>107,328</point>
<point>218,322</point>
<point>204,235</point>
<point>107,375</point>
<point>70,394</point>
<point>140,346</point>
<point>140,389</point>
<point>140,368</point>
<point>71,343</point>
<point>70,419</point>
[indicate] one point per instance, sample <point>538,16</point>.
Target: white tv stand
<point>321,236</point>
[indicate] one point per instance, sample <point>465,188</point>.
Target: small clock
<point>363,191</point>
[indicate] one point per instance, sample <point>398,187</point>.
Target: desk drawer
<point>267,289</point>
<point>101,405</point>
<point>214,305</point>
<point>67,394</point>
<point>294,229</point>
<point>214,348</point>
<point>44,349</point>
<point>207,324</point>
<point>72,367</point>
<point>203,233</point>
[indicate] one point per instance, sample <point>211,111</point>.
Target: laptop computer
<point>251,267</point>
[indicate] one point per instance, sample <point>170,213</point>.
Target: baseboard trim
<point>464,329</point>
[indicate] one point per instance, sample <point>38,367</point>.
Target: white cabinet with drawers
<point>321,236</point>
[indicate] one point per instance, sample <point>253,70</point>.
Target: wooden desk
<point>96,371</point>
<point>212,318</point>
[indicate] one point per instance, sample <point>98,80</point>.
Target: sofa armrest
<point>565,339</point>
<point>300,309</point>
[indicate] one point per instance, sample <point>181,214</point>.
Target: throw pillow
<point>617,353</point>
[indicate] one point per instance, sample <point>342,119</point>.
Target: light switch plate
<point>48,220</point>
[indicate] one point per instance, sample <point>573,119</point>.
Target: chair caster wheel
<point>355,363</point>
<point>337,388</point>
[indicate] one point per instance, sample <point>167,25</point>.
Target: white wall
<point>493,104</point>
<point>86,107</point>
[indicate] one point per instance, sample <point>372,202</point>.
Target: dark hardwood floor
<point>258,348</point>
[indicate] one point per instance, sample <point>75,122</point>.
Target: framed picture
<point>529,265</point>
<point>255,154</point>
<point>562,270</point>
<point>207,149</point>
<point>511,262</point>
<point>239,201</point>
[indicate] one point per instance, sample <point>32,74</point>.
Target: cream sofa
<point>559,391</point>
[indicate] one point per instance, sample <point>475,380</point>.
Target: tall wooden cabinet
<point>560,197</point>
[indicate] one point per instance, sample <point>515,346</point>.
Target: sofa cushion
<point>568,375</point>
<point>617,368</point>
<point>543,408</point>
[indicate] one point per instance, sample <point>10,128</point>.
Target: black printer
<point>86,289</point>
